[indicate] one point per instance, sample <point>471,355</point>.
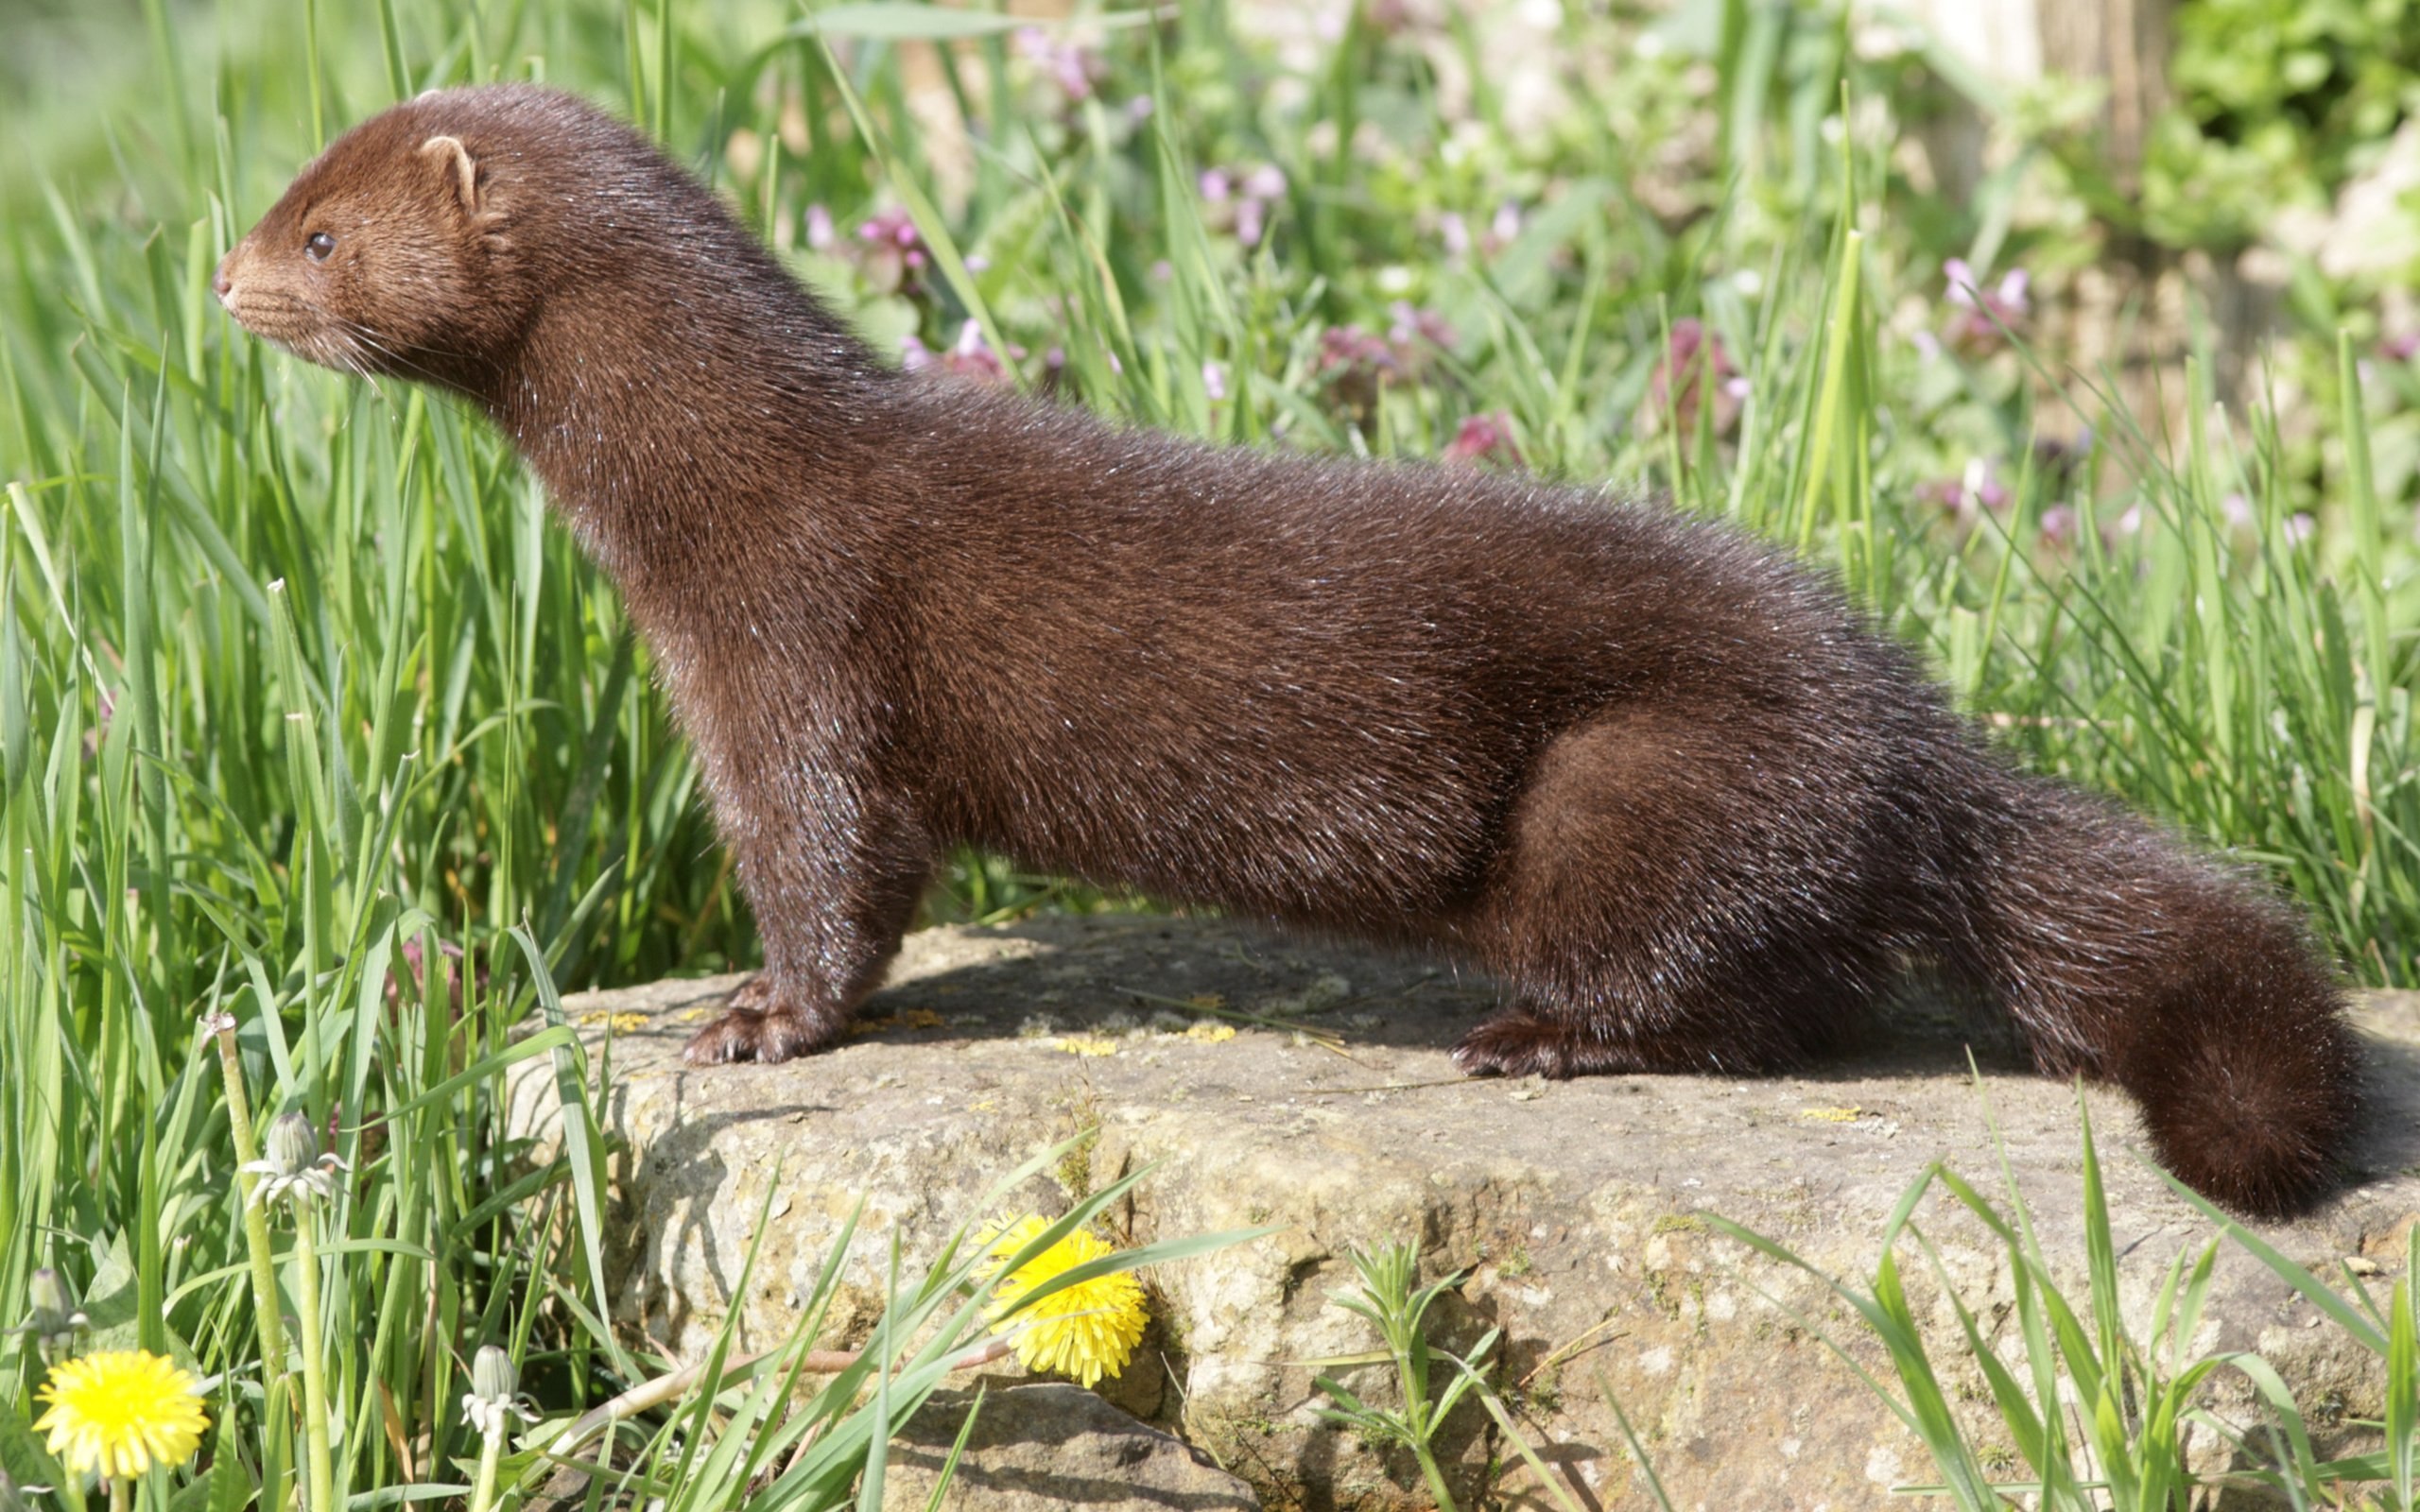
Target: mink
<point>1668,786</point>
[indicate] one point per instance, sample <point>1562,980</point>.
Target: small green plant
<point>2098,1416</point>
<point>1388,1299</point>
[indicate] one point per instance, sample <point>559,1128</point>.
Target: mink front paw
<point>762,1035</point>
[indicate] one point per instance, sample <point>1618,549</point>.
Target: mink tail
<point>2125,956</point>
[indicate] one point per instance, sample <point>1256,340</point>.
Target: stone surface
<point>1046,1446</point>
<point>1577,1207</point>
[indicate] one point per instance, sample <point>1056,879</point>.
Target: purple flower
<point>2061,461</point>
<point>101,731</point>
<point>1266,183</point>
<point>1214,379</point>
<point>820,234</point>
<point>970,357</point>
<point>1344,347</point>
<point>1693,354</point>
<point>2059,525</point>
<point>1482,438</point>
<point>415,962</point>
<point>1417,337</point>
<point>891,251</point>
<point>1979,485</point>
<point>1414,327</point>
<point>894,228</point>
<point>1240,202</point>
<point>1503,230</point>
<point>1355,364</point>
<point>2402,348</point>
<point>1978,328</point>
<point>1456,233</point>
<point>1072,67</point>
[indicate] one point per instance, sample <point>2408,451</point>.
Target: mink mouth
<point>297,327</point>
<point>285,322</point>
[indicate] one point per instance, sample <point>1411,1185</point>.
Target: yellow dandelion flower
<point>121,1412</point>
<point>1087,1331</point>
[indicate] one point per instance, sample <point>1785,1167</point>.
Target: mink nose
<point>220,282</point>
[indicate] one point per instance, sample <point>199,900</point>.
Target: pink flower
<point>1483,439</point>
<point>1977,330</point>
<point>2402,348</point>
<point>820,234</point>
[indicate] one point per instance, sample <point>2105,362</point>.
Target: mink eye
<point>318,246</point>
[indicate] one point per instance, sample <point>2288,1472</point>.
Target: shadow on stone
<point>1045,1446</point>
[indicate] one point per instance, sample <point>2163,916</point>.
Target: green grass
<point>295,673</point>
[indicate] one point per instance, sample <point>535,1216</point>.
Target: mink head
<point>425,242</point>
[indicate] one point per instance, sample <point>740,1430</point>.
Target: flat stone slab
<point>1338,1119</point>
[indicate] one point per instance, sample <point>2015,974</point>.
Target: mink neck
<point>669,410</point>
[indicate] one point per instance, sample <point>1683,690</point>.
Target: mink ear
<point>456,158</point>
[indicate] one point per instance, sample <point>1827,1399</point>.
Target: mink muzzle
<point>1666,785</point>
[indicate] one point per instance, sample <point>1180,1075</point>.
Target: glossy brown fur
<point>1663,782</point>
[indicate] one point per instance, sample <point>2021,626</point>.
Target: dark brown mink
<point>1665,784</point>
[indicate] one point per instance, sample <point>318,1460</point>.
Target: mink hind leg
<point>1667,899</point>
<point>831,916</point>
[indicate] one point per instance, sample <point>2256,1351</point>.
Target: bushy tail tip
<point>2126,956</point>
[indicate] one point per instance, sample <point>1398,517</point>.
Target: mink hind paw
<point>763,1035</point>
<point>1519,1043</point>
